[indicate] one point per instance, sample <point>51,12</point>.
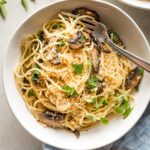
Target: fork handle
<point>139,61</point>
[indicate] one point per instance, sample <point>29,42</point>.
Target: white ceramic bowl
<point>99,135</point>
<point>142,4</point>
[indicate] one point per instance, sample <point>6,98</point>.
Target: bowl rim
<point>5,58</point>
<point>134,6</point>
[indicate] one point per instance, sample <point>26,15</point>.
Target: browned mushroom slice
<point>96,41</point>
<point>96,59</point>
<point>134,78</point>
<point>100,88</point>
<point>42,37</point>
<point>52,119</point>
<point>77,41</point>
<point>84,11</point>
<point>106,51</point>
<point>75,46</point>
<point>77,133</point>
<point>56,61</point>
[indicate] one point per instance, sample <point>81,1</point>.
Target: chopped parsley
<point>70,91</point>
<point>99,102</point>
<point>31,93</point>
<point>137,88</point>
<point>141,71</point>
<point>77,68</point>
<point>35,75</point>
<point>91,100</point>
<point>56,25</point>
<point>114,36</point>
<point>62,43</point>
<point>104,121</point>
<point>92,82</point>
<point>124,108</point>
<point>82,38</point>
<point>91,117</point>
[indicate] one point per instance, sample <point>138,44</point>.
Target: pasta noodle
<point>51,76</point>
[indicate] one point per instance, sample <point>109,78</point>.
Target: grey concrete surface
<point>12,134</point>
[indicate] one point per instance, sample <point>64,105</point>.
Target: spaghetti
<point>57,79</point>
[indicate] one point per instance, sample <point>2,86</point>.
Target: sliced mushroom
<point>77,41</point>
<point>54,58</point>
<point>96,41</point>
<point>25,80</point>
<point>75,38</point>
<point>77,133</point>
<point>133,78</point>
<point>56,61</point>
<point>42,37</point>
<point>96,59</point>
<point>84,11</point>
<point>100,88</point>
<point>52,119</point>
<point>23,91</point>
<point>106,51</point>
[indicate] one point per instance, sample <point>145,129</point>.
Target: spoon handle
<point>144,64</point>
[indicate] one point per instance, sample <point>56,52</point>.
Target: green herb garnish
<point>91,100</point>
<point>91,117</point>
<point>82,38</point>
<point>101,102</point>
<point>35,75</point>
<point>127,112</point>
<point>141,71</point>
<point>70,91</point>
<point>137,88</point>
<point>77,68</point>
<point>124,107</point>
<point>56,25</point>
<point>62,43</point>
<point>25,4</point>
<point>31,93</point>
<point>92,82</point>
<point>114,36</point>
<point>104,121</point>
<point>97,103</point>
<point>94,102</point>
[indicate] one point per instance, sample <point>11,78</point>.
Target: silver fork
<point>99,30</point>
